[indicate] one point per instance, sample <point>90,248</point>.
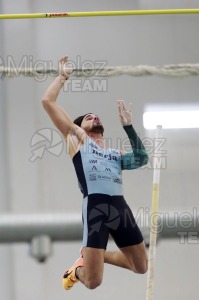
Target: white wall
<point>49,184</point>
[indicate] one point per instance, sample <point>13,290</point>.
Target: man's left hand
<point>125,114</point>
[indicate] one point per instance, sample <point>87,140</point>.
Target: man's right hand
<point>63,68</point>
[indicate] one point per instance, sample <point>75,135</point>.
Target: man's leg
<point>91,273</point>
<point>132,257</point>
<point>129,239</point>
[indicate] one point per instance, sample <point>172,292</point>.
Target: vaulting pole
<point>154,216</point>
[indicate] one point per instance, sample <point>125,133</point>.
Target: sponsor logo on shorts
<point>105,214</point>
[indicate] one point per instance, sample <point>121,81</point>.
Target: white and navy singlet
<point>105,211</point>
<point>98,170</point>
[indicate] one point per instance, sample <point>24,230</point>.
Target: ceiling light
<point>171,119</point>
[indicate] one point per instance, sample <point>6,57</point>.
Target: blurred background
<point>45,182</point>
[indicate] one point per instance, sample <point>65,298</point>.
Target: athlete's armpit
<point>75,139</point>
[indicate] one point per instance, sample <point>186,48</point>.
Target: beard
<point>98,128</point>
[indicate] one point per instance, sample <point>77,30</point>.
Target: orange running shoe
<point>69,277</point>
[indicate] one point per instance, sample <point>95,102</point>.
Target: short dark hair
<point>78,121</point>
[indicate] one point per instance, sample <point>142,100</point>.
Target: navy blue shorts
<point>103,215</point>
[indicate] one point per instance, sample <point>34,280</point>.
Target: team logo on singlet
<point>92,177</point>
<point>93,161</point>
<point>108,156</point>
<point>117,180</point>
<point>94,168</point>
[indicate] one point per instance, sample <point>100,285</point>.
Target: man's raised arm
<point>138,157</point>
<point>59,117</point>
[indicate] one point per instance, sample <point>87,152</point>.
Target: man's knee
<point>93,283</point>
<point>141,268</point>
